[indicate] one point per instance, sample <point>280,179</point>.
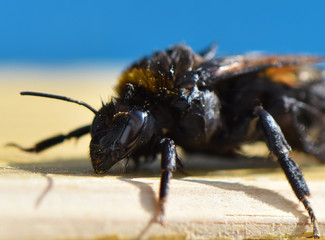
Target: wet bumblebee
<point>207,104</point>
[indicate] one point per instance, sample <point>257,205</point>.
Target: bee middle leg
<point>280,148</point>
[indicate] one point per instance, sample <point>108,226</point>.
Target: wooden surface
<point>56,195</point>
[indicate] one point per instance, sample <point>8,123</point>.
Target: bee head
<point>116,136</point>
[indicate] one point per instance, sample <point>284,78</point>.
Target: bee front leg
<point>280,148</point>
<point>52,141</point>
<point>168,167</point>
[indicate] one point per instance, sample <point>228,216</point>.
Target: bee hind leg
<point>310,144</point>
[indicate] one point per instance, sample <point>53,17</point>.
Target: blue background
<point>76,30</point>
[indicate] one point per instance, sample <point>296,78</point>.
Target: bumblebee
<point>210,105</point>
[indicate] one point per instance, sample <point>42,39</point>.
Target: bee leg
<point>309,145</point>
<point>50,142</point>
<point>168,166</point>
<point>280,148</point>
<point>210,52</point>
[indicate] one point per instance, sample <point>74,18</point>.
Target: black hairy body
<point>214,116</point>
<point>209,105</point>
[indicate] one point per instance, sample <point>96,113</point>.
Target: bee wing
<point>211,72</point>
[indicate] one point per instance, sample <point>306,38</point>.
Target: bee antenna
<point>47,95</point>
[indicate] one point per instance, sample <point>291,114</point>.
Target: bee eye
<point>133,127</point>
